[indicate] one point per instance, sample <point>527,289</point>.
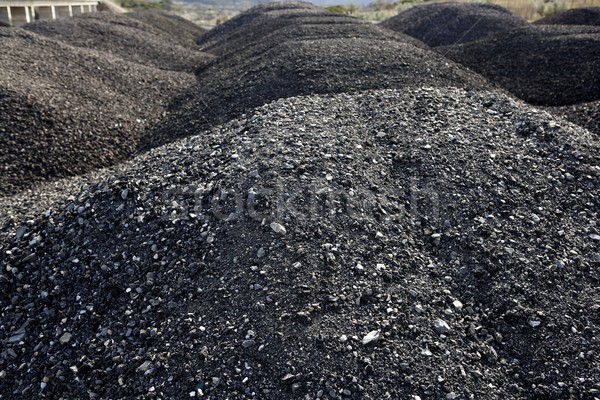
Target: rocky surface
<point>437,242</point>
<point>350,217</point>
<point>442,24</point>
<point>586,115</point>
<point>124,37</point>
<point>574,16</point>
<point>550,65</point>
<point>67,110</point>
<point>319,55</point>
<point>178,28</point>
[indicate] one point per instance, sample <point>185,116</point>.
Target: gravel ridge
<point>443,24</point>
<point>547,65</point>
<point>68,110</point>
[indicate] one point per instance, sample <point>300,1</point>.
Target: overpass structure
<point>20,12</point>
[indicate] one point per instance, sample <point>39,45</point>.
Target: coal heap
<point>67,110</point>
<point>586,115</point>
<point>347,218</point>
<point>304,57</point>
<point>441,24</point>
<point>124,37</point>
<point>551,65</point>
<point>180,29</point>
<point>574,16</point>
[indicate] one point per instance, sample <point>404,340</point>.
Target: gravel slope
<point>178,28</point>
<point>305,57</point>
<point>125,37</point>
<point>441,24</point>
<point>574,16</point>
<point>549,65</point>
<point>586,115</point>
<point>435,242</point>
<point>68,110</point>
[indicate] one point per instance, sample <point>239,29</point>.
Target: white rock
<point>278,228</point>
<point>441,326</point>
<point>370,337</point>
<point>65,338</point>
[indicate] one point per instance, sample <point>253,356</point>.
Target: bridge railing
<point>17,13</point>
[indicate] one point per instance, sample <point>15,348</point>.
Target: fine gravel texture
<point>124,37</point>
<point>442,24</point>
<point>433,242</point>
<point>178,28</point>
<point>250,28</point>
<point>305,57</point>
<point>586,115</point>
<point>68,110</point>
<point>549,65</point>
<point>574,16</point>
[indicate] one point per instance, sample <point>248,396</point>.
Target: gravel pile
<point>125,37</point>
<point>586,115</point>
<point>574,16</point>
<point>178,28</point>
<point>253,27</point>
<point>67,110</point>
<point>433,242</point>
<point>305,57</point>
<point>549,65</point>
<point>441,24</point>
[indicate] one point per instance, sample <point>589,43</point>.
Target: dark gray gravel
<point>441,24</point>
<point>67,110</point>
<point>586,115</point>
<point>351,217</point>
<point>305,57</point>
<point>180,29</point>
<point>124,37</point>
<point>549,65</point>
<point>574,16</point>
<point>438,242</point>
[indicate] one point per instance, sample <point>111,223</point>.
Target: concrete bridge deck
<point>20,12</point>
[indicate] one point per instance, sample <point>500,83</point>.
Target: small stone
<point>426,352</point>
<point>595,237</point>
<point>278,228</point>
<point>124,194</point>
<point>253,174</point>
<point>441,326</point>
<point>260,253</point>
<point>419,308</point>
<point>2,374</point>
<point>17,336</point>
<point>451,396</point>
<point>534,323</point>
<point>457,304</point>
<point>65,338</point>
<point>569,177</point>
<point>145,366</point>
<point>343,338</point>
<point>248,343</point>
<point>347,392</point>
<point>370,337</point>
<point>21,232</point>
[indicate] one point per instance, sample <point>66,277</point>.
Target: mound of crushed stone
<point>125,37</point>
<point>254,27</point>
<point>441,24</point>
<point>550,65</point>
<point>573,16</point>
<point>432,242</point>
<point>178,28</point>
<point>305,58</point>
<point>67,110</point>
<point>586,115</point>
